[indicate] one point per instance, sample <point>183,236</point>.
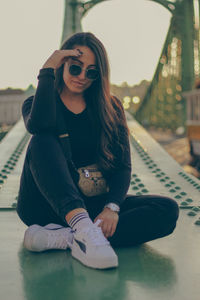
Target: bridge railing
<point>193,119</point>
<point>193,106</point>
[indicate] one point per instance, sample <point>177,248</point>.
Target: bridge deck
<point>167,268</point>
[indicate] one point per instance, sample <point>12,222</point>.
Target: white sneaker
<point>51,236</point>
<point>93,249</point>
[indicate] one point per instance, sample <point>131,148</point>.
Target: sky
<point>132,31</point>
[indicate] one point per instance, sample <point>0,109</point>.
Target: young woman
<point>74,83</point>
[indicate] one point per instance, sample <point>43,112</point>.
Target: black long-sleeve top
<point>39,114</point>
<point>83,140</point>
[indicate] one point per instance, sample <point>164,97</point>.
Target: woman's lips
<point>78,83</point>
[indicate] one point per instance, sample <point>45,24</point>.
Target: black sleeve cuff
<point>46,72</point>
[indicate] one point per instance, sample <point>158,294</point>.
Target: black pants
<point>47,193</point>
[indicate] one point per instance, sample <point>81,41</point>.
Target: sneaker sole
<point>30,235</point>
<point>94,264</point>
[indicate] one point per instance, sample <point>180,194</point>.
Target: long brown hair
<point>105,111</point>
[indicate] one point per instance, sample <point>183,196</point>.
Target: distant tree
<point>30,90</point>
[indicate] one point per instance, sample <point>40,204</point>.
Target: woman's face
<point>78,84</point>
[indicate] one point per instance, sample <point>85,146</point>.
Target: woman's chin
<point>76,90</point>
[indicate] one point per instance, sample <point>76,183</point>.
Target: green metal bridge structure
<point>167,268</point>
<point>178,67</point>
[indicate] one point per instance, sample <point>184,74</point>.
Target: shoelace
<point>95,234</point>
<point>57,240</point>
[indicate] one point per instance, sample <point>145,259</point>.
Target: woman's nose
<point>82,75</point>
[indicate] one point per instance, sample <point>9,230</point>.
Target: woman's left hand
<point>109,220</point>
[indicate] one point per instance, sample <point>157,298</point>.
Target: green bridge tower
<point>177,68</point>
<point>74,11</point>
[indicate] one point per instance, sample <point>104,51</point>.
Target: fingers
<point>61,56</point>
<point>97,222</point>
<point>108,228</point>
<point>113,229</point>
<point>105,227</point>
<point>70,53</point>
<point>73,52</point>
<point>108,222</point>
<point>80,52</point>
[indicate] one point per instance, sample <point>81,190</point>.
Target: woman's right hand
<point>59,57</point>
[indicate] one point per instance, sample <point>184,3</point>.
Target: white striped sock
<point>80,220</point>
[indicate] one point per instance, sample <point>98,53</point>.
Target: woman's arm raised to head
<point>39,111</point>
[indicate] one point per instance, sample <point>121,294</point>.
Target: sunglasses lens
<point>75,70</point>
<point>92,74</point>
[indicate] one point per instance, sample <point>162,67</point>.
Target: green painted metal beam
<point>187,31</point>
<point>163,105</point>
<point>73,12</point>
<point>167,4</point>
<point>144,110</point>
<point>89,4</point>
<point>72,19</point>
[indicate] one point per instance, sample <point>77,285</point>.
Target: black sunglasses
<point>76,70</point>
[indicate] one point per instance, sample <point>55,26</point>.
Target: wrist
<point>113,207</point>
<point>48,65</point>
<point>46,72</point>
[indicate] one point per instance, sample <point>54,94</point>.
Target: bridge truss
<point>177,69</point>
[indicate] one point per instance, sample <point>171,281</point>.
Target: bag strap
<point>64,138</point>
<point>62,128</point>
